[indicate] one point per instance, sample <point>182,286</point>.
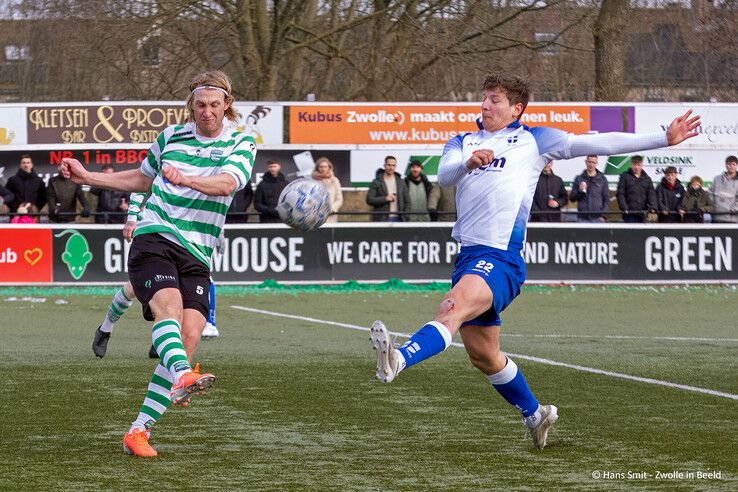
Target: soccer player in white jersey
<point>495,171</point>
<point>191,170</point>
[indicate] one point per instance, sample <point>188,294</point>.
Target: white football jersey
<point>493,201</point>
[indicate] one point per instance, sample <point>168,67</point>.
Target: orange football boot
<point>137,442</point>
<point>189,383</point>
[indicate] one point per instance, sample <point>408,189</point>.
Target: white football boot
<point>388,364</point>
<point>549,416</point>
<point>210,331</point>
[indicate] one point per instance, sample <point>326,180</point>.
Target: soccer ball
<point>304,204</point>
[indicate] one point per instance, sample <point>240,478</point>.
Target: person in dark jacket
<point>549,197</point>
<point>636,196</point>
<point>112,206</point>
<point>267,193</point>
<point>591,193</point>
<point>26,186</point>
<point>6,196</point>
<point>419,190</point>
<point>669,196</point>
<point>697,202</point>
<point>241,202</point>
<point>63,196</point>
<point>388,193</point>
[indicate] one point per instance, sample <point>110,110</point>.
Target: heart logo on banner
<point>33,256</point>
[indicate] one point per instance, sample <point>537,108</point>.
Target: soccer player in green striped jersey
<point>191,171</point>
<point>124,297</point>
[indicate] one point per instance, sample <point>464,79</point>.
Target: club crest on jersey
<point>512,140</point>
<point>216,154</point>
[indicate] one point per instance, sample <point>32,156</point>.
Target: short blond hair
<point>215,78</point>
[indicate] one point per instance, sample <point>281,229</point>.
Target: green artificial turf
<point>296,405</point>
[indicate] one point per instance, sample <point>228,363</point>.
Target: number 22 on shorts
<point>484,266</point>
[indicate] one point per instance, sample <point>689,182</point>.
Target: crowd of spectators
<point>413,198</point>
<point>637,198</point>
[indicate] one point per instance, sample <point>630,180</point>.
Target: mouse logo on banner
<point>76,253</point>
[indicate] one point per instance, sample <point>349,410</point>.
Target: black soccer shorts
<point>155,263</point>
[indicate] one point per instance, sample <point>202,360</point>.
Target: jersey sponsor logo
<point>165,278</point>
<point>496,165</point>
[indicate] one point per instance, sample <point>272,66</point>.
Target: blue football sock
<point>211,313</point>
<point>433,338</point>
<point>511,384</point>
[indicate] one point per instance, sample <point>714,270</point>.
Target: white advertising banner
<point>13,125</point>
<point>719,128</point>
<point>365,163</point>
<point>263,121</point>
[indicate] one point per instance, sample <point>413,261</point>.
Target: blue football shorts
<point>504,273</point>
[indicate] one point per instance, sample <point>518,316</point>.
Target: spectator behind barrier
<point>636,196</point>
<point>669,196</point>
<point>323,172</point>
<point>418,192</point>
<point>697,202</point>
<point>549,197</point>
<point>111,205</point>
<point>591,192</point>
<point>26,186</point>
<point>388,193</point>
<point>22,217</point>
<point>241,202</point>
<point>268,191</point>
<point>63,196</point>
<point>724,192</point>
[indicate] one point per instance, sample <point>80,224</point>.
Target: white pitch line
<point>591,370</point>
<point>621,337</point>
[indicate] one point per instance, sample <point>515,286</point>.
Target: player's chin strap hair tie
<point>209,87</point>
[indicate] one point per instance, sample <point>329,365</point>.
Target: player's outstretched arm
<point>222,184</point>
<point>132,180</point>
<point>682,128</point>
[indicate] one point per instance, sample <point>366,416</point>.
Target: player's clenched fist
<point>174,176</point>
<point>74,170</point>
<point>480,158</point>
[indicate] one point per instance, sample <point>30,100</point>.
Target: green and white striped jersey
<point>183,215</point>
<point>135,201</point>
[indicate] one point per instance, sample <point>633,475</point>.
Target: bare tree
<point>610,50</point>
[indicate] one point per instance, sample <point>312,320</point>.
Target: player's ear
<point>517,110</point>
